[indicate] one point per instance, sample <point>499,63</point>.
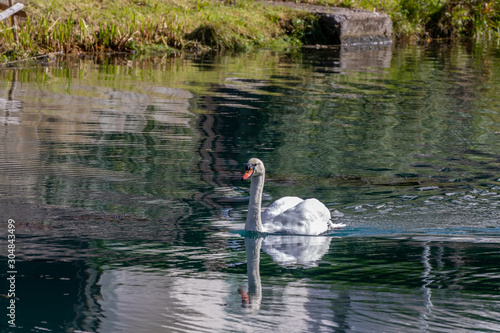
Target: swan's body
<point>289,215</point>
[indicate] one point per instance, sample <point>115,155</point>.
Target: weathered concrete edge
<point>358,27</point>
<point>349,26</point>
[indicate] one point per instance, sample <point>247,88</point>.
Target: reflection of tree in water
<point>348,130</point>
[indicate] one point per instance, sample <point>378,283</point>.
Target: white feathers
<point>288,215</point>
<point>292,215</point>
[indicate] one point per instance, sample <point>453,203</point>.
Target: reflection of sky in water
<point>131,174</point>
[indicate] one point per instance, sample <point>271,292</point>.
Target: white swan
<point>289,215</point>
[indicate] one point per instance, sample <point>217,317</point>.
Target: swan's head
<point>254,167</point>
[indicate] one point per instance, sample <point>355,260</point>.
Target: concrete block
<point>357,26</point>
<point>349,26</point>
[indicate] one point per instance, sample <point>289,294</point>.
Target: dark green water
<point>123,178</point>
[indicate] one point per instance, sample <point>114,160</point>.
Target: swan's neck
<point>254,222</point>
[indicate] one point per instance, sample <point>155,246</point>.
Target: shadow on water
<point>122,177</point>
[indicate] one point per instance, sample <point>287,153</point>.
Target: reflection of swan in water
<point>285,250</point>
<point>288,215</point>
<point>293,249</point>
<point>253,297</point>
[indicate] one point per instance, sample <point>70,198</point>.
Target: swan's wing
<point>308,217</point>
<point>278,207</point>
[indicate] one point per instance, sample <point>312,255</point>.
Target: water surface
<point>123,178</point>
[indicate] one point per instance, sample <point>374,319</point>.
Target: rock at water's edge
<point>349,26</point>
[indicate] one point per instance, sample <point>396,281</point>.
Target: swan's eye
<point>250,166</point>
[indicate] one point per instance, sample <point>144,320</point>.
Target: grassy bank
<point>424,19</point>
<point>166,26</point>
<point>72,26</point>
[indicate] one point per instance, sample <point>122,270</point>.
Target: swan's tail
<point>333,226</point>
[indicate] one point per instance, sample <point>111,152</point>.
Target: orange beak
<point>247,174</point>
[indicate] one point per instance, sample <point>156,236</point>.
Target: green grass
<point>422,19</point>
<point>73,26</point>
<point>124,25</point>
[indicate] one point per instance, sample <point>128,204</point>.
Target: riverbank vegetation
<point>166,26</point>
<point>73,26</point>
<point>424,19</point>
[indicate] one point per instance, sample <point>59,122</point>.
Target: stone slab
<point>350,26</point>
